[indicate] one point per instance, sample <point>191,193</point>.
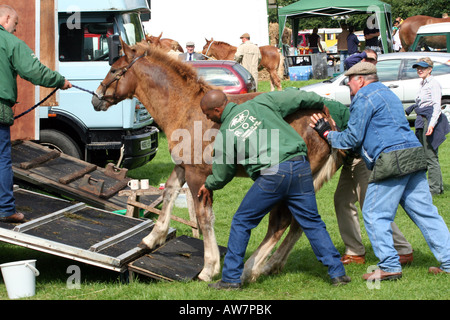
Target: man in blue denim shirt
<point>378,129</point>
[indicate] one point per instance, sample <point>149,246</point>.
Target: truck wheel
<point>61,142</point>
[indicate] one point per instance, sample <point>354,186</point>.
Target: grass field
<point>303,277</point>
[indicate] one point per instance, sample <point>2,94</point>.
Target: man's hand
<point>66,85</point>
<point>205,195</point>
<point>321,125</point>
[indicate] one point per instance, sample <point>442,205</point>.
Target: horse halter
<point>209,47</point>
<point>117,78</point>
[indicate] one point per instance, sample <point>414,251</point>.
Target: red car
<point>230,75</point>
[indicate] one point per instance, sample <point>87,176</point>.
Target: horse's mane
<point>183,69</point>
<point>222,43</point>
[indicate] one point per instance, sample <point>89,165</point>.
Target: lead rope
<point>47,97</point>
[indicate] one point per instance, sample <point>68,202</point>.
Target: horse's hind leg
<point>279,220</point>
<point>159,232</point>
<point>274,80</point>
<point>278,260</point>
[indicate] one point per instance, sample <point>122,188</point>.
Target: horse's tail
<point>327,171</point>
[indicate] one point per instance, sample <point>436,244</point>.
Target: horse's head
<point>119,84</point>
<point>207,47</point>
<point>156,41</point>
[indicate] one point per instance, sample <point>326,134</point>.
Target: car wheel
<point>59,141</point>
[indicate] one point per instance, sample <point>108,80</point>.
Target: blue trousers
<point>7,202</point>
<point>380,207</point>
<point>291,182</point>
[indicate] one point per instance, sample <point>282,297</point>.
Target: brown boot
<point>347,259</point>
<point>14,218</point>
<point>382,275</point>
<point>406,258</point>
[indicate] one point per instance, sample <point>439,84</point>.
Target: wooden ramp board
<point>76,231</point>
<point>64,175</point>
<point>180,259</point>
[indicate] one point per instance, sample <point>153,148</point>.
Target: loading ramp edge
<point>90,256</point>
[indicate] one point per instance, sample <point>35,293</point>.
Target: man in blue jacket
<point>378,129</point>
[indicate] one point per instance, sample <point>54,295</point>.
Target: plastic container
<point>20,278</point>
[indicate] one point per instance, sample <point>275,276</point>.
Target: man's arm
<point>31,69</point>
<point>290,100</point>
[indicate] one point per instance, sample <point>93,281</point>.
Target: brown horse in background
<point>166,44</point>
<point>271,59</point>
<point>409,27</point>
<point>171,91</point>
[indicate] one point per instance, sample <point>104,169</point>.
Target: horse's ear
<point>127,51</point>
<point>160,36</point>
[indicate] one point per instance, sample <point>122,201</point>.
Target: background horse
<point>165,44</point>
<point>171,91</point>
<point>409,27</point>
<point>271,59</point>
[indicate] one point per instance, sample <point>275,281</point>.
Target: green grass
<point>303,277</point>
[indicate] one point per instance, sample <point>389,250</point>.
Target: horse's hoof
<point>143,246</point>
<point>204,277</point>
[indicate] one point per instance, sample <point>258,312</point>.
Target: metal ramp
<point>64,175</point>
<point>77,231</point>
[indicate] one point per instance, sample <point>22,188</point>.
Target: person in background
<point>368,55</point>
<point>16,58</point>
<point>314,41</point>
<point>342,45</point>
<point>371,34</point>
<point>190,55</point>
<point>249,56</point>
<point>431,125</point>
<point>352,41</point>
<point>396,43</point>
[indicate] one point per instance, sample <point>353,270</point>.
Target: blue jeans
<point>380,207</point>
<point>7,202</point>
<point>292,183</point>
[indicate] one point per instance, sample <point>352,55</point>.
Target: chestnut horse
<point>171,91</point>
<point>166,44</point>
<point>270,58</point>
<point>409,27</point>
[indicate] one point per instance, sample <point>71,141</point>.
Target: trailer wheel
<point>61,142</point>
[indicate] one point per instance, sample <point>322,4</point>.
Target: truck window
<point>88,43</point>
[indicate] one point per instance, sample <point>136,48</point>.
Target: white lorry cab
<point>80,39</point>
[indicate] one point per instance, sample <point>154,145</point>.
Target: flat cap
<point>245,35</point>
<point>362,68</point>
<point>190,44</point>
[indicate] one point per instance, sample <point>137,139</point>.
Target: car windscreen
<point>218,76</point>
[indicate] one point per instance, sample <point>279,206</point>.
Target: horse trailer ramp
<point>63,175</point>
<point>77,231</point>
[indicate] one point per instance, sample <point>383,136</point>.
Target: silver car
<point>396,72</point>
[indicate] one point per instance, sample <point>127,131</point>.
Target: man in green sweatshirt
<point>16,58</point>
<point>255,135</point>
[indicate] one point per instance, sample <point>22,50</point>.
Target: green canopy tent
<point>329,8</point>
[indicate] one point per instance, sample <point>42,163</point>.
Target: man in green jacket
<point>16,58</point>
<point>255,135</point>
